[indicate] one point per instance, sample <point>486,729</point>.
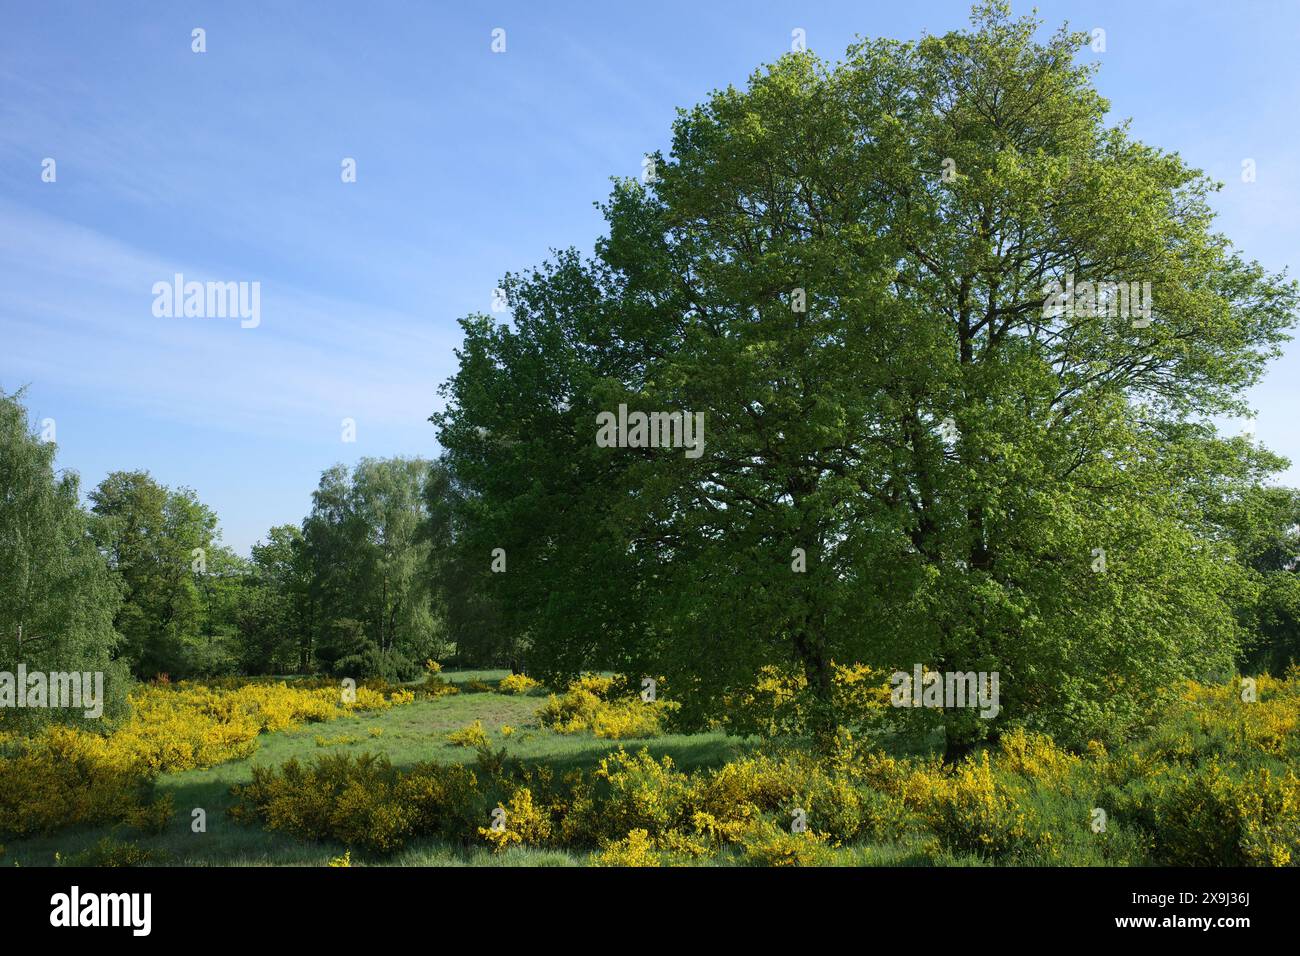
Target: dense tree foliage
<point>157,540</point>
<point>57,596</point>
<point>370,599</point>
<point>473,618</point>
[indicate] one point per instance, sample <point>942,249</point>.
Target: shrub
<point>1210,818</point>
<point>434,684</point>
<point>113,853</point>
<point>517,684</point>
<point>388,665</point>
<point>593,703</point>
<point>360,801</point>
<point>635,791</point>
<point>1037,758</point>
<point>636,849</point>
<point>744,789</point>
<point>974,810</point>
<point>472,735</point>
<point>766,844</point>
<point>524,823</point>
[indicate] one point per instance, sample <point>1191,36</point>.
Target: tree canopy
<point>910,456</point>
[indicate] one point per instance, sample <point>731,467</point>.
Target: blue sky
<point>226,166</point>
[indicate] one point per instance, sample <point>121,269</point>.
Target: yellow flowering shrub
<point>110,852</point>
<point>365,813</point>
<point>975,810</point>
<point>635,849</point>
<point>744,789</point>
<point>597,684</point>
<point>471,735</point>
<point>1268,723</point>
<point>732,797</point>
<point>434,684</point>
<point>1037,757</point>
<point>361,801</point>
<point>517,684</point>
<point>65,776</point>
<point>682,847</point>
<point>778,702</point>
<point>524,823</point>
<point>627,719</point>
<point>766,844</point>
<point>591,703</point>
<point>637,792</point>
<point>1210,818</point>
<point>570,714</point>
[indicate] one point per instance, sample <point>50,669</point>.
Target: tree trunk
<point>817,671</point>
<point>957,747</point>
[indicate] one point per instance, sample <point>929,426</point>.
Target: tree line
<point>135,580</point>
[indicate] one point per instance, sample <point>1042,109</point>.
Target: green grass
<point>410,734</point>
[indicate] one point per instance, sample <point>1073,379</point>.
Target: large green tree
<point>846,268</point>
<point>57,595</point>
<point>272,616</point>
<point>158,540</point>
<point>370,600</point>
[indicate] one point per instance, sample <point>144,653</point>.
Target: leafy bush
<point>373,663</point>
<point>522,823</point>
<point>360,801</point>
<point>635,849</point>
<point>606,708</point>
<point>517,684</point>
<point>1210,818</point>
<point>472,735</point>
<point>766,844</point>
<point>110,852</point>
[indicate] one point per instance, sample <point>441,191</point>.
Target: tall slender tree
<point>57,596</point>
